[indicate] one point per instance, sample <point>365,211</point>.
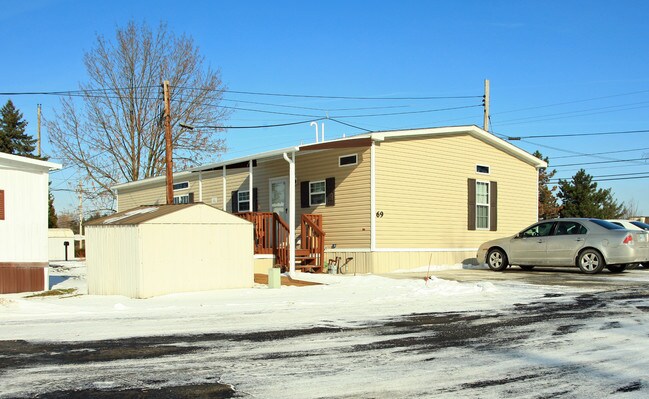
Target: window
<point>181,199</point>
<point>2,204</point>
<point>482,205</point>
<point>317,193</point>
<point>181,185</point>
<point>483,169</point>
<point>607,225</point>
<point>243,199</point>
<point>539,230</point>
<point>348,160</point>
<point>566,228</point>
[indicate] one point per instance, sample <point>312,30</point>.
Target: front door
<point>279,196</point>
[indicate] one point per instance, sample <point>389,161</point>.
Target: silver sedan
<point>590,244</point>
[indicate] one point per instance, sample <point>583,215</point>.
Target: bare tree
<point>113,131</point>
<point>630,209</point>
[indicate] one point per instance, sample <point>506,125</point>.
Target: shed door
<point>278,196</point>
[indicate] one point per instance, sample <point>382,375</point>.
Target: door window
<point>539,230</point>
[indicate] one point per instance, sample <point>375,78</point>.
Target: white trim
<point>200,186</point>
<point>401,250</point>
<point>29,163</point>
<point>348,250</point>
<point>250,186</point>
<point>249,201</point>
<point>375,136</point>
<point>372,196</point>
<point>538,172</point>
<point>488,204</point>
<point>484,166</point>
<point>225,202</point>
<point>181,182</point>
<point>425,249</point>
<point>324,202</point>
<point>179,198</point>
<point>270,192</point>
<point>264,256</point>
<point>349,164</point>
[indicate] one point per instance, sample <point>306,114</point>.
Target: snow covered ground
<point>353,336</point>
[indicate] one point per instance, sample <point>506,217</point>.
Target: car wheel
<point>497,260</point>
<point>616,268</point>
<point>527,268</point>
<point>590,261</point>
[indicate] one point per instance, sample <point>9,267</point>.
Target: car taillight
<point>628,239</point>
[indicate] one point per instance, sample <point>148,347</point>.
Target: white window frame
<point>239,201</point>
<point>479,204</point>
<point>181,199</point>
<point>312,193</point>
<point>182,188</point>
<point>484,166</point>
<point>349,164</point>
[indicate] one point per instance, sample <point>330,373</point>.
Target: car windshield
<point>643,226</point>
<point>607,225</point>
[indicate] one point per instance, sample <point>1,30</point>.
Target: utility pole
<point>485,124</point>
<point>168,146</point>
<point>80,214</point>
<point>38,113</point>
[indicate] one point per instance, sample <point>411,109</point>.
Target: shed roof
<point>161,213</point>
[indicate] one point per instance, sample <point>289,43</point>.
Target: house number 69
<point>379,214</point>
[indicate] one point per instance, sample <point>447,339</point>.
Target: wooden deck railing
<point>272,237</point>
<point>313,238</point>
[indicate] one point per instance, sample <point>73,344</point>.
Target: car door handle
<point>579,239</point>
<point>540,241</point>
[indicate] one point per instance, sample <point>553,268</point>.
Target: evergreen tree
<point>52,219</point>
<point>582,198</point>
<point>548,206</point>
<point>13,139</point>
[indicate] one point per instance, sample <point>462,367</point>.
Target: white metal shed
<point>56,244</point>
<point>163,249</point>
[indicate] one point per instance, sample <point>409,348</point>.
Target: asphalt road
<point>587,342</point>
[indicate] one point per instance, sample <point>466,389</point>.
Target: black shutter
<point>191,198</point>
<point>471,204</point>
<point>304,194</point>
<point>330,187</point>
<point>235,201</point>
<point>493,206</point>
<point>255,208</point>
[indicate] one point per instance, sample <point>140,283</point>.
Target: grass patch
<point>56,292</point>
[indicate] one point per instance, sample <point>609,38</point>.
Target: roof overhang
<point>361,140</point>
<point>21,162</point>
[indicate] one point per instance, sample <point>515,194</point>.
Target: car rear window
<point>643,226</point>
<point>607,225</point>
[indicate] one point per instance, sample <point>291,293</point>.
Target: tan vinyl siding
<point>421,188</point>
<point>347,223</point>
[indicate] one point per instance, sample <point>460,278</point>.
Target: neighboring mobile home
<point>23,223</point>
<point>379,201</point>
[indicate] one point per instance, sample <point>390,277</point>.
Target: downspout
<point>200,186</point>
<point>225,202</point>
<point>372,198</point>
<point>250,191</point>
<point>291,211</point>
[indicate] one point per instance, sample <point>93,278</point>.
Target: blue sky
<point>556,67</point>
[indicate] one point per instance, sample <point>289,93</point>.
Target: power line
<point>601,153</point>
<point>599,162</point>
<point>556,179</point>
<point>571,102</point>
<point>537,136</point>
<point>332,97</point>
